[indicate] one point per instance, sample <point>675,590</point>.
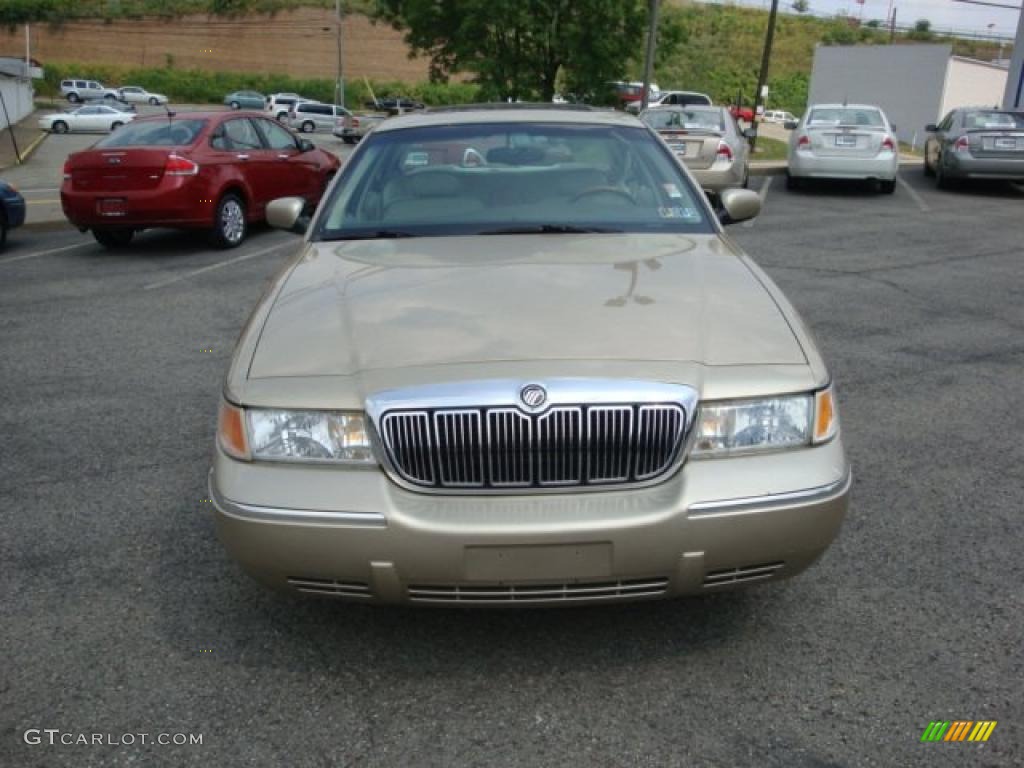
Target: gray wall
<point>18,98</point>
<point>906,81</point>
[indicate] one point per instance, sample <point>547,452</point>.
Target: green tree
<point>517,48</point>
<point>922,30</point>
<point>801,6</point>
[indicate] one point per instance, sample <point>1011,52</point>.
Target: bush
<point>193,86</point>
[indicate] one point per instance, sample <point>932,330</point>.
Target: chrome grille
<point>507,448</point>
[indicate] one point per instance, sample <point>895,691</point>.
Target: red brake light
<point>961,145</point>
<point>180,166</point>
<point>67,170</point>
<point>887,144</point>
<point>355,122</point>
<point>804,141</point>
<point>724,151</point>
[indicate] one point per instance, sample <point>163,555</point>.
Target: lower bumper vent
<point>329,587</point>
<point>538,593</point>
<point>744,574</point>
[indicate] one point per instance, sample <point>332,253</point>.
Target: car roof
<point>506,113</point>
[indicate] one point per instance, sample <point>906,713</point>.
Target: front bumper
<point>715,525</point>
<point>882,166</point>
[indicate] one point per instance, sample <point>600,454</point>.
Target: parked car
<point>671,99</point>
<point>394,104</point>
<point>626,93</point>
<point>351,128</point>
<point>310,116</point>
<point>976,143</point>
<point>77,91</point>
<point>455,395</point>
<point>740,112</point>
<point>843,141</point>
<point>116,104</point>
<point>12,210</point>
<point>776,116</point>
<point>278,104</point>
<point>201,170</point>
<point>246,100</point>
<point>708,141</point>
<point>90,118</point>
<point>136,94</point>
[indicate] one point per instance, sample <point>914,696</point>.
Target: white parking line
<point>219,265</point>
<point>763,194</point>
<point>913,194</point>
<point>45,253</point>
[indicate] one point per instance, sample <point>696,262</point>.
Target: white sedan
<point>138,95</point>
<point>89,118</point>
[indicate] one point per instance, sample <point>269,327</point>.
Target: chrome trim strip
<point>259,514</point>
<point>753,503</point>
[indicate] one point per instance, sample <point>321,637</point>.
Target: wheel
<point>109,96</point>
<point>792,182</point>
<point>154,101</point>
<point>887,187</point>
<point>59,127</point>
<point>942,181</point>
<point>349,139</point>
<point>115,125</point>
<point>74,98</point>
<point>235,105</point>
<point>229,226</point>
<point>281,116</point>
<point>113,238</point>
<point>308,127</point>
<point>928,170</point>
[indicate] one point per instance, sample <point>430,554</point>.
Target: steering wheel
<point>603,191</point>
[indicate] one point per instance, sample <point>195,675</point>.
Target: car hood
<point>358,306</point>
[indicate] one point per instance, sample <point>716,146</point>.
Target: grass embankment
<point>769,149</point>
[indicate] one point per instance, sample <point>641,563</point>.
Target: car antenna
<point>170,114</point>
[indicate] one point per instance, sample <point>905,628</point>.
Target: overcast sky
<point>941,13</point>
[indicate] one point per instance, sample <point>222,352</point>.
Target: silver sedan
<point>707,140</point>
<point>94,118</point>
<point>976,143</point>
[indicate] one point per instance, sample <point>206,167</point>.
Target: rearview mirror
<point>790,125</point>
<point>286,213</point>
<point>738,205</point>
<point>931,128</point>
<point>305,145</point>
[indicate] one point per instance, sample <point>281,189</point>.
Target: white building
<point>915,84</point>
<point>16,90</point>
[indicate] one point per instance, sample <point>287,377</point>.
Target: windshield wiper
<point>380,234</point>
<point>550,229</point>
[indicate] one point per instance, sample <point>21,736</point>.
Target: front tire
<point>349,139</point>
<point>308,127</point>
<point>115,125</point>
<point>229,226</point>
<point>59,127</point>
<point>113,238</point>
<point>235,105</point>
<point>74,98</point>
<point>153,101</point>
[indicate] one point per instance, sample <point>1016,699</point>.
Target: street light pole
<point>766,56</point>
<point>652,34</point>
<point>339,86</point>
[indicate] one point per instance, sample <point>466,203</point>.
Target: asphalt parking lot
<point>123,615</point>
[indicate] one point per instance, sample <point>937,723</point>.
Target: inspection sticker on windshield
<point>677,213</point>
<point>672,190</point>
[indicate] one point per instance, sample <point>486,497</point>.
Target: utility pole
<point>652,34</point>
<point>892,26</point>
<point>339,86</point>
<point>766,56</point>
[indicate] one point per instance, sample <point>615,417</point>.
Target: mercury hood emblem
<point>533,395</point>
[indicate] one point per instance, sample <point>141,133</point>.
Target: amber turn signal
<point>231,431</point>
<point>826,421</point>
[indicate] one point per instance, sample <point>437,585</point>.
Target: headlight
<point>319,436</point>
<point>766,424</point>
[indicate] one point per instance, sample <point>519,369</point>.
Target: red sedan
<point>199,170</point>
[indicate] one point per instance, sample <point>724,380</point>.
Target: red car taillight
<point>180,166</point>
<point>67,170</point>
<point>723,151</point>
<point>961,144</point>
<point>803,141</point>
<point>355,122</point>
<point>888,144</point>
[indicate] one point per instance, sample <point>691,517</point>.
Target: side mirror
<point>790,125</point>
<point>749,133</point>
<point>930,128</point>
<point>738,205</point>
<point>286,213</point>
<point>305,145</point>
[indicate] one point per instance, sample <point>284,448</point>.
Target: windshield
<point>855,116</point>
<point>687,119</point>
<point>157,133</point>
<point>985,120</point>
<point>510,178</point>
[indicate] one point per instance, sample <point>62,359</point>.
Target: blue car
<point>12,210</point>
